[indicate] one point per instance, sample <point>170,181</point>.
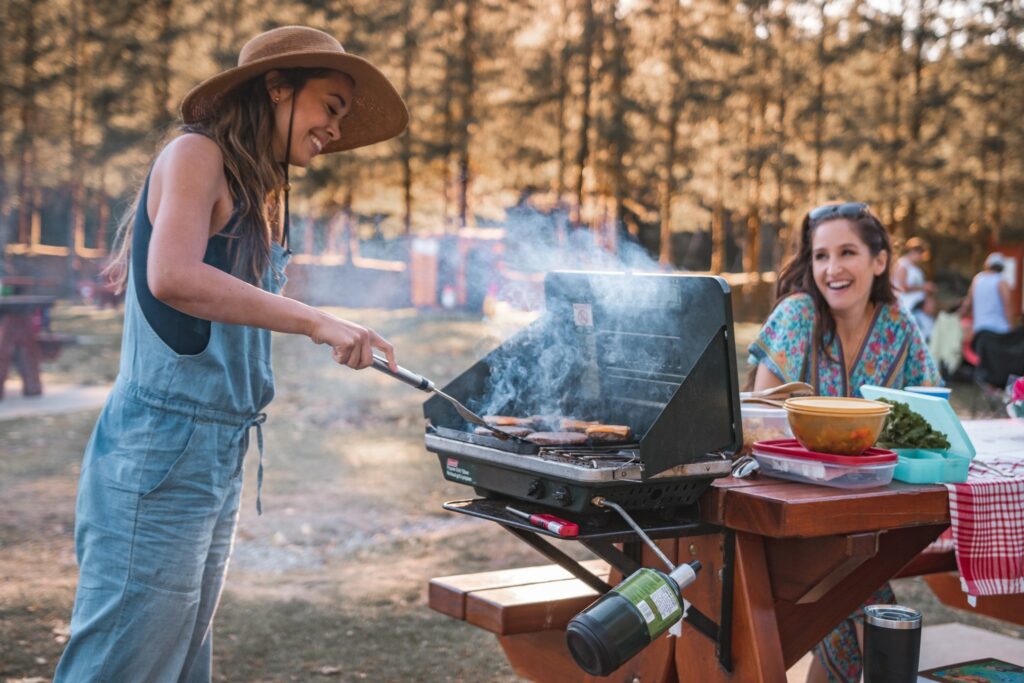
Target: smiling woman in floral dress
<point>837,326</point>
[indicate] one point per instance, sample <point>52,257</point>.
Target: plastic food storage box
<point>918,466</point>
<point>787,459</point>
<point>763,422</point>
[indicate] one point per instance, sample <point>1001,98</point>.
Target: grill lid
<point>651,351</point>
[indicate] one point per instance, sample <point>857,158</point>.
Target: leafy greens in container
<point>904,428</point>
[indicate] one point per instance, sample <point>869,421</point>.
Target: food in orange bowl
<point>842,426</point>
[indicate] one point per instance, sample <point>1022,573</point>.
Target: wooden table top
<point>781,509</point>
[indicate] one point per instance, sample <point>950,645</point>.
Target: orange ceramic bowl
<point>840,429</point>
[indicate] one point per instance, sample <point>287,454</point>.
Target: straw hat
<point>376,114</point>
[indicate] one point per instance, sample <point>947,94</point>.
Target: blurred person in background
<point>202,257</point>
<point>913,290</point>
<point>988,299</point>
<point>998,345</point>
<point>837,325</point>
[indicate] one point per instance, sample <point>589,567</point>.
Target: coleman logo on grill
<point>456,472</point>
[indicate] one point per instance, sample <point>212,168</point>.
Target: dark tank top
<point>183,333</point>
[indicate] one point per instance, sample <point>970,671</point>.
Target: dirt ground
<point>329,584</point>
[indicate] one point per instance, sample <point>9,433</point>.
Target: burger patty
<point>558,438</point>
<point>511,430</point>
<point>609,433</point>
<point>569,424</point>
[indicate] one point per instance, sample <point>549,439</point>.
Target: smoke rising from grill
<point>541,372</point>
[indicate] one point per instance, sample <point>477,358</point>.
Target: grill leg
<point>626,564</point>
<point>561,559</point>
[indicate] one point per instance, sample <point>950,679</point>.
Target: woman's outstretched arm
<point>187,180</point>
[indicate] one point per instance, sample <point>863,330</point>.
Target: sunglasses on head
<point>844,210</point>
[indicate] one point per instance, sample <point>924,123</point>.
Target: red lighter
<point>555,525</point>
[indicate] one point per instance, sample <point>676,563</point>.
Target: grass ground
<point>330,583</point>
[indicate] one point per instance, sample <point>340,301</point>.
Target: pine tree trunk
<point>909,226</point>
<point>996,221</point>
<point>819,111</point>
<point>563,95</point>
<point>718,222</point>
<point>895,130</point>
<point>5,22</point>
<point>583,148</point>
<point>26,161</point>
<point>468,66</point>
<point>782,234</point>
<point>668,188</point>
<point>162,47</point>
<point>408,50</point>
<point>447,144</point>
<point>617,170</point>
<point>752,249</point>
<point>103,209</point>
<point>76,117</point>
<point>673,111</point>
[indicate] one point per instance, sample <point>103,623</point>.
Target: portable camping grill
<point>651,351</point>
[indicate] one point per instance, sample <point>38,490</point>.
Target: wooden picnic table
<point>19,340</point>
<point>807,556</point>
<point>803,558</point>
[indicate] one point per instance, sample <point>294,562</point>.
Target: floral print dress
<point>893,354</point>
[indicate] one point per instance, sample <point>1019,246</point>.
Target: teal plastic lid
<point>937,411</point>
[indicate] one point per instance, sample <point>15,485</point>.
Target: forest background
<point>647,120</point>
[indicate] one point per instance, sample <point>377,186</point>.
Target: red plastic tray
<point>791,448</point>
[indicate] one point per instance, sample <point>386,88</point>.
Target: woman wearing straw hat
<point>202,261</point>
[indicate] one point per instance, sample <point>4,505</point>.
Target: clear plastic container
<point>787,459</point>
<point>763,422</point>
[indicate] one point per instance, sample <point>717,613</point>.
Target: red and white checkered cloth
<point>987,530</point>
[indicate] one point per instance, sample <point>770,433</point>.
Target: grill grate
<point>595,457</point>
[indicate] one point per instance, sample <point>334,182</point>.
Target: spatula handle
<point>403,375</point>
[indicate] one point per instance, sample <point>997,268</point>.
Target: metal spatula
<point>423,384</point>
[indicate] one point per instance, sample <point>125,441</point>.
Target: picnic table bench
<point>800,558</point>
<point>23,343</point>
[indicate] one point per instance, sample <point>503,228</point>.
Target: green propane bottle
<point>606,634</point>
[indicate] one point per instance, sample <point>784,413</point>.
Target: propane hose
<point>600,501</point>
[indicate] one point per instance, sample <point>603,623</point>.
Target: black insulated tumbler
<point>892,644</point>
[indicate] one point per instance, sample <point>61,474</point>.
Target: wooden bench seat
<point>528,610</point>
<point>511,601</point>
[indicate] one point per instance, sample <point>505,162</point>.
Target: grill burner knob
<point>536,489</point>
<point>563,496</point>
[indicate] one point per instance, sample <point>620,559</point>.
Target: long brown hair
<point>243,129</point>
<point>797,276</point>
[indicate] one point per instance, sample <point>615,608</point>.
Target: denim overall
<point>158,499</point>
